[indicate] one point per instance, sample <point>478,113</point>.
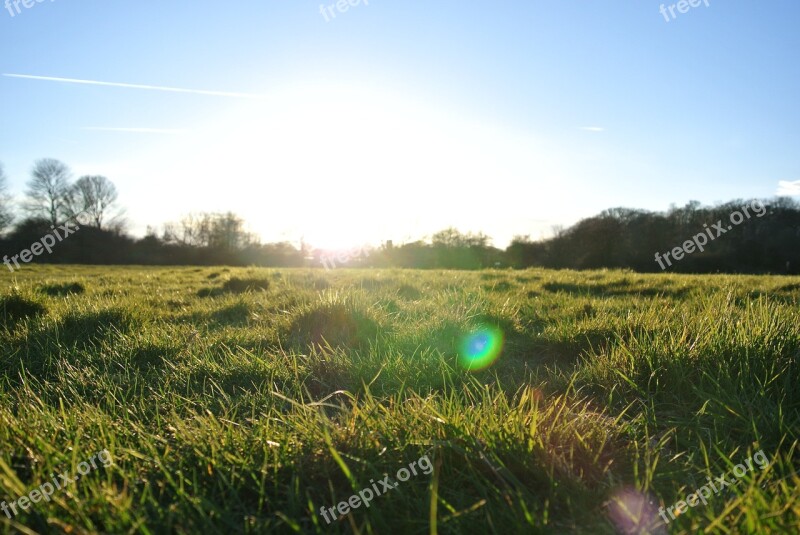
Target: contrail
<point>136,86</point>
<point>135,130</point>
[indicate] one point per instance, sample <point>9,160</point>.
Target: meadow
<point>236,400</point>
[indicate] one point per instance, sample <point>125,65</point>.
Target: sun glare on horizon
<point>340,167</point>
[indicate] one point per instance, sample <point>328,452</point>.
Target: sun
<point>341,166</point>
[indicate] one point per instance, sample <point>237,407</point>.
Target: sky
<point>393,120</point>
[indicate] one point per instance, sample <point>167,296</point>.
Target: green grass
<point>243,400</point>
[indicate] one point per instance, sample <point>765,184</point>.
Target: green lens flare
<point>481,348</point>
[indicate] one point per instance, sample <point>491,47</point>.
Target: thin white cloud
<point>789,188</point>
<point>136,86</point>
<point>592,128</point>
<point>135,130</point>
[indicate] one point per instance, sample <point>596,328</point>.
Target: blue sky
<point>396,119</point>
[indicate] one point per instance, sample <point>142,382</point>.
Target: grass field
<point>244,400</point>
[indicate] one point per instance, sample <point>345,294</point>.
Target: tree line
<point>51,198</point>
<point>629,238</point>
<point>616,238</point>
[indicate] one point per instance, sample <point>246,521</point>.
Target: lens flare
<point>634,512</point>
<point>481,348</point>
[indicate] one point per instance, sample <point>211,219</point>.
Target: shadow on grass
<point>502,286</point>
<point>409,293</point>
<point>334,325</point>
<point>235,286</point>
<point>375,284</point>
<point>235,315</point>
<point>151,357</point>
<point>15,308</point>
<point>612,289</point>
<point>43,349</point>
<point>63,290</point>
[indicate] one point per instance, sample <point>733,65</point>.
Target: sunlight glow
<point>341,167</point>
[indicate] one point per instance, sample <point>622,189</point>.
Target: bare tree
<point>48,191</point>
<point>215,230</point>
<point>5,202</point>
<point>95,196</point>
<point>193,230</point>
<point>451,237</point>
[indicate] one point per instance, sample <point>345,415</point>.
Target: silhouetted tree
<point>48,191</point>
<point>96,197</point>
<point>228,234</point>
<point>451,237</point>
<point>453,249</point>
<point>193,230</point>
<point>524,252</point>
